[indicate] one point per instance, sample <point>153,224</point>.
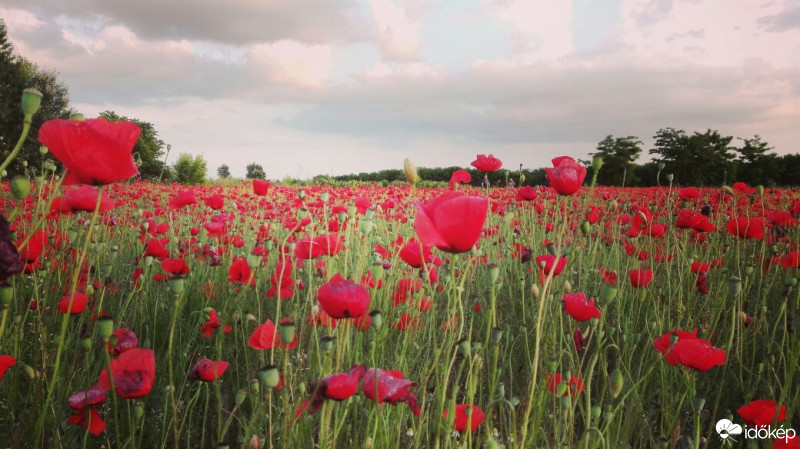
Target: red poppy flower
<point>609,277</point>
<point>391,387</point>
<point>87,398</point>
<point>266,336</point>
<point>575,384</point>
<point>84,198</point>
<point>787,442</point>
<point>566,176</point>
<point>92,421</point>
<point>641,277</point>
<point>467,415</point>
<point>175,267</point>
<point>663,342</point>
<point>526,193</point>
<point>31,251</point>
<point>208,370</point>
<point>239,271</point>
<point>459,177</point>
<point>212,324</point>
<point>155,248</point>
<point>487,163</point>
<point>182,199</point>
<point>415,254</point>
<point>452,222</point>
<point>577,307</point>
<point>78,303</point>
<point>791,260</point>
<point>343,298</point>
<point>746,227</point>
<point>577,338</point>
<point>133,372</point>
<point>215,202</point>
<point>695,353</point>
<point>337,387</point>
<point>260,187</point>
<point>547,263</point>
<point>124,340</point>
<point>94,151</point>
<point>6,362</point>
<point>761,412</point>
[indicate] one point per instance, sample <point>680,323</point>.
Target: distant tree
<point>224,171</point>
<point>756,164</point>
<point>619,155</point>
<point>148,151</point>
<point>255,171</point>
<point>789,170</point>
<point>700,159</point>
<point>189,170</point>
<point>16,74</point>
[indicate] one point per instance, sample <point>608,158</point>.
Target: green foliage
<point>756,164</point>
<point>190,170</point>
<point>224,172</point>
<point>255,171</point>
<point>148,151</point>
<point>619,155</point>
<point>16,74</point>
<point>700,159</point>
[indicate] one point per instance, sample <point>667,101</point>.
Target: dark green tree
<point>149,149</point>
<point>619,155</point>
<point>700,159</point>
<point>223,171</point>
<point>756,164</point>
<point>11,86</point>
<point>189,170</point>
<point>255,171</point>
<point>789,171</point>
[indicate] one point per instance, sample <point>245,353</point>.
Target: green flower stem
<point>26,127</point>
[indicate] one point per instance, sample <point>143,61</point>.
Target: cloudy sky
<point>313,87</point>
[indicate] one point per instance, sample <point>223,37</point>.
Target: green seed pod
<point>31,101</point>
<point>616,383</point>
<point>286,331</point>
<point>269,376</point>
<point>20,187</point>
<point>464,347</point>
<point>6,294</point>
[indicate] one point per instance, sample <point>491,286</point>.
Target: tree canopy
<point>189,170</point>
<point>255,171</point>
<point>148,151</point>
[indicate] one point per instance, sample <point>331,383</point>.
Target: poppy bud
<point>176,285</point>
<point>376,271</point>
<point>561,388</point>
<point>616,383</point>
<point>43,150</point>
<point>105,327</point>
<point>608,293</point>
<point>301,194</point>
<point>535,291</point>
<point>464,347</point>
<point>551,248</point>
<point>254,443</point>
<point>369,214</point>
<point>301,389</point>
<point>269,376</point>
<point>491,444</point>
<point>20,187</point>
<point>86,343</point>
<point>327,343</point>
<point>365,227</point>
<point>241,395</point>
<point>661,166</point>
<point>29,371</point>
<point>351,211</point>
<point>341,215</point>
<point>77,116</point>
<point>735,286</point>
<point>728,190</point>
<point>254,386</point>
<point>494,273</point>
<point>567,287</point>
<point>138,410</point>
<point>148,260</point>
<point>697,404</point>
<point>324,197</point>
<point>760,190</point>
<point>411,172</point>
<point>551,365</point>
<point>223,445</point>
<point>597,163</point>
<point>596,411</point>
<point>501,390</point>
<point>6,294</point>
<point>253,260</point>
<point>376,319</point>
<point>496,335</point>
<point>586,227</point>
<point>669,177</point>
<point>31,101</point>
<point>286,331</point>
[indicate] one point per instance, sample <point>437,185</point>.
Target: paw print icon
<point>726,429</point>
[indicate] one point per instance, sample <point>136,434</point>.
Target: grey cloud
<point>230,22</point>
<point>786,20</point>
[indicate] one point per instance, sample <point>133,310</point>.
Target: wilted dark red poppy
<point>122,340</point>
<point>343,298</point>
<point>761,412</point>
<point>566,176</point>
<point>576,305</point>
<point>452,222</point>
<point>487,163</point>
<point>391,387</point>
<point>6,362</point>
<point>208,370</point>
<point>468,417</point>
<point>337,387</point>
<point>133,372</point>
<point>10,261</point>
<point>94,151</point>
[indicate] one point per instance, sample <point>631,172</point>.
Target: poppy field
<point>255,315</point>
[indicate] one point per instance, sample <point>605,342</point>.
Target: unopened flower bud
<point>77,116</point>
<point>176,285</point>
<point>20,187</point>
<point>240,396</point>
<point>6,294</point>
<point>411,172</point>
<point>616,383</point>
<point>105,327</point>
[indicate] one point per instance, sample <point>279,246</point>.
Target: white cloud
<point>540,28</point>
<point>294,63</point>
<point>398,29</point>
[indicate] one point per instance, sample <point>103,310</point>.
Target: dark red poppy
<point>122,340</point>
<point>208,370</point>
<point>391,387</point>
<point>576,305</point>
<point>609,277</point>
<point>487,163</point>
<point>452,222</point>
<point>94,151</point>
<point>526,193</point>
<point>260,187</point>
<point>578,339</point>
<point>87,398</point>
<point>155,248</point>
<point>240,272</point>
<point>761,412</point>
<point>175,267</point>
<point>133,372</point>
<point>695,353</point>
<point>640,277</point>
<point>337,387</point>
<point>84,198</point>
<point>77,306</point>
<point>566,176</point>
<point>343,298</point>
<point>6,362</point>
<point>10,261</point>
<point>468,416</point>
<point>92,421</point>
